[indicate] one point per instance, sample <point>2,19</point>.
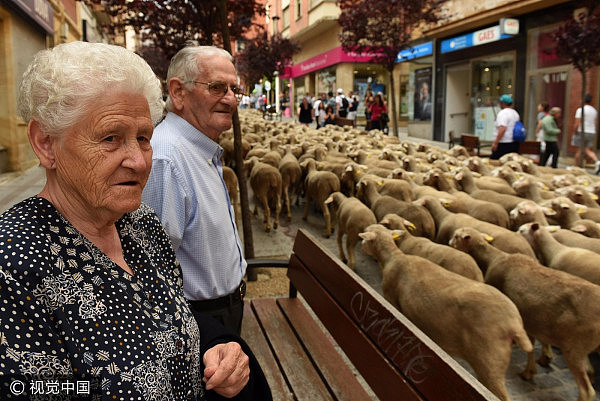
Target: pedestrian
<point>317,106</point>
<point>551,131</point>
<point>88,275</point>
<point>543,110</point>
<point>378,108</point>
<point>320,112</point>
<point>590,114</point>
<point>342,104</point>
<point>305,112</point>
<point>503,129</point>
<point>329,116</point>
<point>331,101</point>
<point>186,186</point>
<point>353,107</point>
<point>368,100</point>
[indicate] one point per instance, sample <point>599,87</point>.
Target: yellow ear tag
<point>379,182</point>
<point>410,227</point>
<point>320,165</point>
<point>489,238</point>
<point>553,229</point>
<point>594,197</point>
<point>544,187</point>
<point>580,210</point>
<point>395,235</point>
<point>586,183</point>
<point>517,175</point>
<point>356,172</point>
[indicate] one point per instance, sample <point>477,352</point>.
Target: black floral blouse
<point>68,311</point>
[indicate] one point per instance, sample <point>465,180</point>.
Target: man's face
<point>210,113</point>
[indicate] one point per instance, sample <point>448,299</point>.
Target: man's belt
<point>225,301</point>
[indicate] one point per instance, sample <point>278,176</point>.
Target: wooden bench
<point>344,121</point>
<point>300,353</point>
<point>531,148</point>
<point>474,145</point>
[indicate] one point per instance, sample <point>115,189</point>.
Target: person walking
<point>543,110</point>
<point>551,131</point>
<point>186,186</point>
<point>305,112</point>
<point>378,107</point>
<point>589,133</point>
<point>503,129</point>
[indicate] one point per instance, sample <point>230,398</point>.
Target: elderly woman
<point>90,286</point>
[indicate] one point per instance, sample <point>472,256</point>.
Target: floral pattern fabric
<point>67,310</point>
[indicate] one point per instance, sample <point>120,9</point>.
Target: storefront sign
<point>331,57</point>
<point>39,10</point>
<point>476,38</point>
<point>509,26</point>
<point>422,50</point>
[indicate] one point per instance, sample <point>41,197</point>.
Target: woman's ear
<point>177,92</point>
<point>42,144</point>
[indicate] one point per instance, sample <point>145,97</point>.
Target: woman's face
<point>103,163</point>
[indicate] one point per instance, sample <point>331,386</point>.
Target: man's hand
<point>226,369</point>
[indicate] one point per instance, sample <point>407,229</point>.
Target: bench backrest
<point>397,360</point>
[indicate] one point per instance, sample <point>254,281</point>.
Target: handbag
<point>384,118</point>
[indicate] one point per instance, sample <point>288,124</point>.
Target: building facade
<point>27,26</point>
<point>452,77</point>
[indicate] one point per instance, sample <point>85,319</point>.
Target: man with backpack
<point>503,129</point>
<point>342,104</point>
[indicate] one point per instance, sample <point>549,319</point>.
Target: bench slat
<point>336,372</point>
<point>253,335</point>
<point>388,383</point>
<point>424,364</point>
<point>296,365</point>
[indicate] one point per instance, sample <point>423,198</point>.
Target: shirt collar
<point>208,148</point>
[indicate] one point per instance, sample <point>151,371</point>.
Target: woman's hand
<point>226,369</point>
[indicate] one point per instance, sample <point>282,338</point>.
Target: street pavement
<point>550,384</point>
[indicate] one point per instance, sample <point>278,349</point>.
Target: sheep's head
<point>373,235</point>
<point>468,238</point>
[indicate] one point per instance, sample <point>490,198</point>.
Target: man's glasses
<point>219,88</point>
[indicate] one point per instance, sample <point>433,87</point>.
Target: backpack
<point>519,132</point>
<point>345,103</point>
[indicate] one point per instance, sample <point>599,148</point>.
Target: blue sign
<point>422,50</point>
<point>476,38</point>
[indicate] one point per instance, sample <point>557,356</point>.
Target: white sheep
<point>353,217</point>
<point>266,182</point>
<point>318,186</point>
<point>557,308</point>
<point>468,319</point>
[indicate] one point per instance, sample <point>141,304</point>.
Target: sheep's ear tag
<point>552,229</point>
<point>356,172</point>
<point>410,227</point>
<point>594,197</point>
<point>395,235</point>
<point>544,187</point>
<point>489,238</point>
<point>586,183</point>
<point>517,175</point>
<point>320,165</point>
<point>580,210</point>
<point>380,183</point>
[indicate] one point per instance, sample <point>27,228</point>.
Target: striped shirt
<point>187,191</point>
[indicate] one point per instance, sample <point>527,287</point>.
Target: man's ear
<point>177,92</point>
<point>42,144</point>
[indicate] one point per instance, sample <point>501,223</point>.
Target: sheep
<point>447,222</point>
<point>465,179</point>
<point>578,194</point>
<point>557,308</point>
<point>291,175</point>
<point>577,261</point>
<point>232,184</point>
<point>352,218</point>
<point>443,255</point>
<point>383,204</point>
<point>566,214</point>
<point>266,184</point>
<point>529,189</point>
<point>480,209</point>
<point>571,238</point>
<point>526,212</point>
<point>468,319</point>
<point>318,186</point>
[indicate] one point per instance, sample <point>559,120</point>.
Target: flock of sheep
<point>479,256</point>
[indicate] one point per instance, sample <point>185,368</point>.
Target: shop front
<point>474,70</point>
<point>335,69</point>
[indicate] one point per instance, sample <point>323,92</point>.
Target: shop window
<point>417,100</point>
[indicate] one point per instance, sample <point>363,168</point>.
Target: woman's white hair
<point>61,83</point>
<point>187,64</point>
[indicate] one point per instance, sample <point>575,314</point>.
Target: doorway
<point>457,108</point>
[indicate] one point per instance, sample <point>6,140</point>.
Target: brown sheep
<point>557,308</point>
<point>318,186</point>
<point>266,182</point>
<point>352,218</point>
<point>468,319</point>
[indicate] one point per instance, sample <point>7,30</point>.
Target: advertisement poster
<point>422,102</point>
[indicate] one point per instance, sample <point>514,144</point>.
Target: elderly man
<point>503,129</point>
<point>186,186</point>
